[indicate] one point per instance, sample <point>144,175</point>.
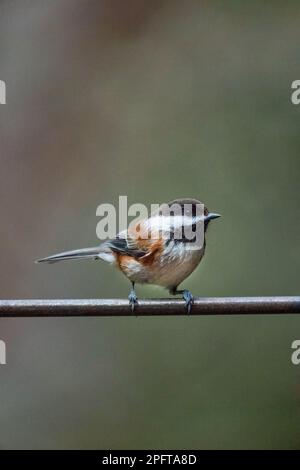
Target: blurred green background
<point>154,100</point>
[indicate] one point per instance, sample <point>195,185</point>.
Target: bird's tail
<point>84,253</point>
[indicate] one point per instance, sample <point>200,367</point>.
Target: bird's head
<point>189,209</point>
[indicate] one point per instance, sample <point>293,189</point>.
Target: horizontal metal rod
<point>148,307</point>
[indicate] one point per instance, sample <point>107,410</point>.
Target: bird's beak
<point>212,216</point>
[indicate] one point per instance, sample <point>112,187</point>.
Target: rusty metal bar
<point>148,307</point>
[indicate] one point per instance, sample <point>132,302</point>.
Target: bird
<point>150,253</point>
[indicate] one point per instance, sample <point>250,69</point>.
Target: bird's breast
<point>177,262</point>
<point>168,265</point>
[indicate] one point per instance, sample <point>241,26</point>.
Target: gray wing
<point>125,246</point>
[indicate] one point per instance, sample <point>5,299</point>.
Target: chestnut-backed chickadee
<point>150,253</point>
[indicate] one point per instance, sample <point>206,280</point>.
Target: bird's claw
<point>133,300</point>
<point>189,300</point>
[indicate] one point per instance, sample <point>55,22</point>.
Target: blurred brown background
<point>154,100</point>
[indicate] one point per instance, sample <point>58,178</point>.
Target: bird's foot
<point>189,300</point>
<point>186,295</point>
<point>133,300</point>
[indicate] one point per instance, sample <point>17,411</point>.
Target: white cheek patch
<point>165,224</point>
